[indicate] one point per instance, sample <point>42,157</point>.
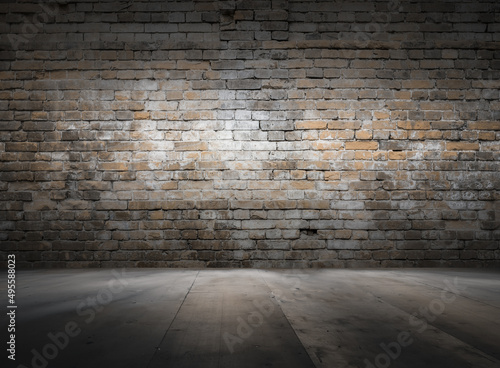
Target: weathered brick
<point>310,125</point>
<point>244,84</point>
<point>191,146</point>
<point>21,147</point>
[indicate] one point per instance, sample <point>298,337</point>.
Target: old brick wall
<point>250,133</point>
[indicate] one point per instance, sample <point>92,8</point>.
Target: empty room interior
<point>250,183</point>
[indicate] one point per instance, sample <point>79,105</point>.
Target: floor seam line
<point>173,319</point>
<point>286,318</point>
<point>434,326</point>
<point>454,293</point>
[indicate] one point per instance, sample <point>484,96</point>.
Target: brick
<point>191,146</point>
<point>94,185</point>
<point>484,125</point>
<point>394,225</point>
<point>111,205</point>
<point>277,125</point>
<point>313,165</point>
<point>192,65</point>
<point>308,244</point>
<point>46,166</point>
<point>361,145</point>
<point>325,146</point>
<point>21,147</point>
<point>256,224</point>
<point>114,166</point>
<point>212,205</point>
<point>418,84</point>
<point>462,146</point>
<point>255,205</point>
<point>310,125</point>
<point>414,125</point>
<point>246,84</point>
<point>280,204</point>
<point>141,115</point>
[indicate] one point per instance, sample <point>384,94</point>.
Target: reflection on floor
<point>257,318</point>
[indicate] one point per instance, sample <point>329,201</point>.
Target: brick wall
<point>250,133</point>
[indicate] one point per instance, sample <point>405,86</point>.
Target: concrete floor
<point>142,318</point>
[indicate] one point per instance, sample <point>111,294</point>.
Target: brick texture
<point>250,133</point>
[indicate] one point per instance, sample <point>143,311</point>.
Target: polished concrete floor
<point>142,318</point>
